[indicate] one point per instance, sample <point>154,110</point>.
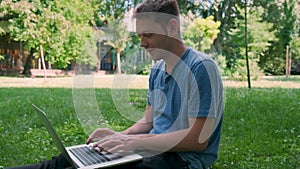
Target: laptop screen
<point>52,132</point>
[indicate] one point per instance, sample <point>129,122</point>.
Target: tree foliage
<point>201,33</point>
<point>284,17</point>
<point>77,43</point>
<point>114,8</point>
<point>120,38</point>
<point>61,27</point>
<point>66,27</point>
<point>260,38</point>
<point>260,34</point>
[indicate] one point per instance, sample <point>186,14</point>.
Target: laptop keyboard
<point>89,156</point>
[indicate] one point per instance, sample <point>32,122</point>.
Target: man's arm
<point>194,138</point>
<point>144,125</point>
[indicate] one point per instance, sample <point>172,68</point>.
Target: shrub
<point>240,71</point>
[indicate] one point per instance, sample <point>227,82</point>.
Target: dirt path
<point>119,81</point>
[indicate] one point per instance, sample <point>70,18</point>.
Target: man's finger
<point>118,149</point>
<point>107,143</point>
<point>99,133</point>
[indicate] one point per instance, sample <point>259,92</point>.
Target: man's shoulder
<point>196,59</point>
<point>197,55</point>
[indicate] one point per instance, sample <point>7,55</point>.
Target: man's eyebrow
<point>145,31</point>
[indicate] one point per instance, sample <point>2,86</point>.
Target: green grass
<point>261,127</point>
<point>292,78</point>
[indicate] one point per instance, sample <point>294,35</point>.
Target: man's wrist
<point>124,132</point>
<point>138,142</point>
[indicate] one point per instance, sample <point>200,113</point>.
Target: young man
<point>181,127</point>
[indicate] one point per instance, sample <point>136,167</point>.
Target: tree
<point>295,46</point>
<point>283,16</point>
<point>295,43</point>
<point>2,31</point>
<point>114,11</point>
<point>260,38</point>
<point>120,38</point>
<point>80,34</point>
<point>61,27</point>
<point>35,25</point>
<point>189,6</point>
<point>114,8</point>
<point>226,12</point>
<point>201,33</point>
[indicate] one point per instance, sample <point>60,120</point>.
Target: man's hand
<point>117,142</point>
<point>99,134</point>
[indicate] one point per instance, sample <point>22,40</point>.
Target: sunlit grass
<point>261,127</point>
<point>293,78</point>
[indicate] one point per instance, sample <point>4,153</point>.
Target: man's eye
<point>147,34</point>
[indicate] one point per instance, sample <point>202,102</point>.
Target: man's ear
<point>173,28</point>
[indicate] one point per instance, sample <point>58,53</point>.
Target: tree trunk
<point>199,43</point>
<point>28,64</point>
<point>99,57</point>
<point>43,62</point>
<point>119,70</point>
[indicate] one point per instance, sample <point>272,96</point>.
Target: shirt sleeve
<point>204,90</point>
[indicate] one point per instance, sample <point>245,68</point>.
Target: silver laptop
<point>82,156</point>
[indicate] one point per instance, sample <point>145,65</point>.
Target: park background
<point>250,40</point>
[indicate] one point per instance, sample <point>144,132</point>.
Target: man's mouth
<point>150,50</point>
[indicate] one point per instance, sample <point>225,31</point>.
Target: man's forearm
<point>194,138</point>
<point>178,141</point>
<point>144,125</point>
<point>138,128</point>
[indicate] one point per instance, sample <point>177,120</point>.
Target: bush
<point>240,71</point>
<point>221,63</point>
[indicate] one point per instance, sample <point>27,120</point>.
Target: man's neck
<point>177,52</point>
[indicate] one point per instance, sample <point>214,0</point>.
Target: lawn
<point>261,126</point>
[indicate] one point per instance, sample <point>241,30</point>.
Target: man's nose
<point>144,42</point>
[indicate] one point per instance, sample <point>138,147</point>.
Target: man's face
<point>153,37</point>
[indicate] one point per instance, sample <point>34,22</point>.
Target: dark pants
<point>161,161</point>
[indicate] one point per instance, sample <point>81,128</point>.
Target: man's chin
<point>155,55</point>
<point>155,58</point>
